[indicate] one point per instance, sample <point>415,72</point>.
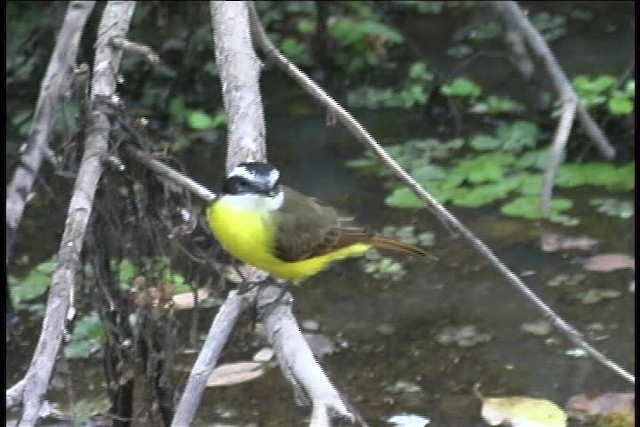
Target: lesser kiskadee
<point>284,232</point>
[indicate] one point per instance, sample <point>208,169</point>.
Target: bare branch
<point>296,360</point>
<point>240,90</point>
<point>516,18</point>
<point>55,85</point>
<point>115,22</point>
<point>172,175</point>
<point>141,49</point>
<point>208,357</point>
<point>445,216</point>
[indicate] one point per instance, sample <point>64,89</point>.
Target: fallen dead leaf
<point>609,262</point>
<point>552,242</point>
<point>236,373</point>
<point>522,411</point>
<point>185,301</point>
<point>581,406</point>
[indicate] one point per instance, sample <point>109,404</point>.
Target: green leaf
<point>481,195</point>
<point>462,87</point>
<point>34,284</point>
<point>126,272</point>
<point>292,48</point>
<point>596,173</point>
<point>419,71</point>
<point>518,135</point>
<point>404,198</point>
<point>536,159</point>
<point>586,86</point>
<point>529,207</point>
<point>306,26</point>
<point>483,168</point>
<point>178,108</point>
<point>620,105</point>
<point>630,89</point>
<point>199,120</point>
<point>88,334</point>
<point>485,142</point>
<point>531,185</point>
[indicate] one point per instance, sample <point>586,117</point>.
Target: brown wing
<point>306,228</point>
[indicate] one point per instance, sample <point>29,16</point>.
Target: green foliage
<point>513,137</point>
<point>505,163</point>
<point>461,87</point>
<point>595,173</point>
<point>422,6</point>
<point>413,91</point>
<point>362,39</point>
<point>495,105</point>
<point>34,284</point>
<point>88,335</point>
<point>600,93</point>
<point>85,408</point>
<point>156,268</point>
<point>529,207</point>
<point>611,206</point>
<point>551,26</point>
<point>188,121</point>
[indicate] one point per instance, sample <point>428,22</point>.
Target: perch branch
<point>115,22</point>
<point>363,136</point>
<point>296,360</point>
<point>239,72</point>
<point>55,85</point>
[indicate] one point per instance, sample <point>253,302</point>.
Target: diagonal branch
<point>115,22</point>
<point>445,216</point>
<point>55,86</point>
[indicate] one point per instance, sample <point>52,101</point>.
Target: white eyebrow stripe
<point>243,172</point>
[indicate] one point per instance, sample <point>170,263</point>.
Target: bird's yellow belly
<point>248,236</point>
<point>244,234</point>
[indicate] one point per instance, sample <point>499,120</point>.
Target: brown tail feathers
<point>394,245</point>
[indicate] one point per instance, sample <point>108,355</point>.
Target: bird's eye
<point>236,185</point>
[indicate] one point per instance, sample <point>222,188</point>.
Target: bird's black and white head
<point>253,185</point>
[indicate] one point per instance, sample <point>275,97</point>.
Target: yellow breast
<point>248,235</point>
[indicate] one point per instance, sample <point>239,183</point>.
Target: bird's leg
<point>244,286</point>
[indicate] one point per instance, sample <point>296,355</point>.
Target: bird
<point>286,233</point>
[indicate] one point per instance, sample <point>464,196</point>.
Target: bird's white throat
<point>253,202</point>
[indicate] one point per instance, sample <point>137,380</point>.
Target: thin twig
<point>363,136</point>
<point>173,175</point>
<point>555,154</point>
<point>115,22</point>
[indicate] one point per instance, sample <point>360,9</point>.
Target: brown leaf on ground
<point>236,373</point>
<point>582,406</point>
<point>186,301</point>
<point>609,262</point>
